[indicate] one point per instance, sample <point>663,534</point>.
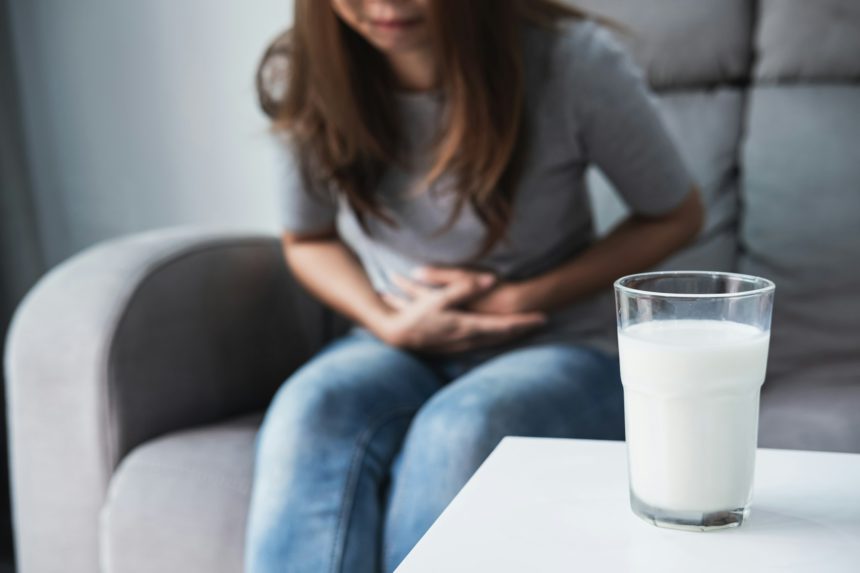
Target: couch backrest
<point>763,98</point>
<point>698,57</point>
<point>684,44</point>
<point>801,185</point>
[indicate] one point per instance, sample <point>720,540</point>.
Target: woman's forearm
<point>329,270</point>
<point>635,245</point>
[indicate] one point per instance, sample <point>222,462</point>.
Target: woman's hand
<point>499,298</point>
<point>433,319</point>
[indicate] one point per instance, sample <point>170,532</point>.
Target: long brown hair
<point>332,92</point>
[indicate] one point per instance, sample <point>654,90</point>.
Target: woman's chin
<point>397,40</point>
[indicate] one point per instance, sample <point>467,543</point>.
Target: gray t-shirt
<point>586,104</point>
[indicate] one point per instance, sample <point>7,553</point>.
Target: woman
<point>436,197</point>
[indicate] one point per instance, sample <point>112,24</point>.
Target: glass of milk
<point>693,350</point>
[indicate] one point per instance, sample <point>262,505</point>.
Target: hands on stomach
<point>452,310</point>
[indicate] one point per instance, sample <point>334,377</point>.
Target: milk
<point>691,397</point>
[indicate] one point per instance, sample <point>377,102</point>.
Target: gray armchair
<point>130,341</point>
<point>137,370</point>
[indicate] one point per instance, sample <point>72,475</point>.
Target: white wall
<point>142,114</point>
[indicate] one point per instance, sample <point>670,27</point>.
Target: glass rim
<point>767,285</point>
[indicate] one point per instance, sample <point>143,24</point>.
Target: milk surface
<point>691,397</point>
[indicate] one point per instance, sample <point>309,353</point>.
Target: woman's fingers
<point>482,333</point>
<point>411,288</point>
<point>447,275</point>
<point>450,295</point>
<point>461,286</point>
<point>394,301</point>
<point>489,324</point>
<point>462,291</point>
<point>478,330</point>
<point>430,315</point>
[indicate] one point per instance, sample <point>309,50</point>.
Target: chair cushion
<point>179,503</point>
<point>707,128</point>
<point>809,40</point>
<point>801,195</point>
<point>684,43</point>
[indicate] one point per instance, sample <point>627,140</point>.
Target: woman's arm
<point>330,271</point>
<point>635,245</point>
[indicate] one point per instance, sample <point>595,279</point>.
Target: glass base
<point>688,520</point>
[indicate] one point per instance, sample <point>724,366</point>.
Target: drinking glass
<point>693,349</point>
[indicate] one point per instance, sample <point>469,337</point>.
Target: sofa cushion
<point>706,127</point>
<point>179,503</point>
<point>809,40</point>
<point>810,417</point>
<point>683,43</point>
<point>801,227</point>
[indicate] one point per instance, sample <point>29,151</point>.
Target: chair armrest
<point>131,339</point>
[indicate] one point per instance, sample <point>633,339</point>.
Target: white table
<point>544,506</point>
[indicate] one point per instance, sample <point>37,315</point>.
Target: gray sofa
<point>137,370</point>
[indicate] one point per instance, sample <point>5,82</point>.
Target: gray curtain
<point>21,258</point>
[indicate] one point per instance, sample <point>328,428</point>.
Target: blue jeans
<point>364,446</point>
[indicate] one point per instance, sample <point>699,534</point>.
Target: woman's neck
<point>414,71</point>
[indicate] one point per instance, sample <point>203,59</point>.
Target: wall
<point>142,114</point>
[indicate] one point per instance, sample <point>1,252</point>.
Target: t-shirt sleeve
<point>306,207</point>
<point>620,129</point>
